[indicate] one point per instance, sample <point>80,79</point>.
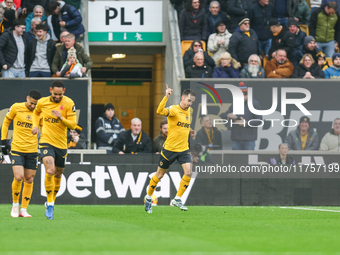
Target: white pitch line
<point>309,209</point>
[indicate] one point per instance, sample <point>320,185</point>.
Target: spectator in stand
<point>65,17</point>
<point>283,9</point>
<point>302,12</point>
<point>324,26</point>
<point>215,15</point>
<point>188,57</point>
<point>198,69</point>
<point>243,136</point>
<point>157,143</point>
<point>253,69</point>
<point>308,68</point>
<point>108,129</point>
<point>63,37</point>
<point>237,10</point>
<point>243,42</point>
<point>259,15</point>
<point>133,141</point>
<point>227,67</point>
<point>299,39</point>
<point>72,67</point>
<point>304,137</point>
<point>310,47</point>
<point>283,158</point>
<point>7,21</point>
<point>331,140</point>
<point>61,55</point>
<point>40,53</point>
<point>322,62</point>
<point>13,46</point>
<point>8,5</point>
<point>333,72</point>
<point>38,12</point>
<point>325,2</point>
<point>219,41</point>
<point>32,32</point>
<point>76,140</point>
<point>209,135</point>
<point>315,4</point>
<point>282,39</point>
<point>28,5</point>
<point>279,66</point>
<point>193,21</point>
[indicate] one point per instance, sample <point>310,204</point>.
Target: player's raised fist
<point>168,91</point>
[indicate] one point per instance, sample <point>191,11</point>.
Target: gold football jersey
<point>22,117</point>
<point>54,131</point>
<point>179,122</point>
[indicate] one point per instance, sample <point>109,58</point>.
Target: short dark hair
<point>202,117</point>
<point>52,6</point>
<point>41,27</point>
<point>35,94</point>
<point>58,84</point>
<point>332,5</point>
<point>19,22</point>
<point>163,122</point>
<point>189,91</point>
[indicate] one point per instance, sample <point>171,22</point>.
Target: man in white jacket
<point>331,140</point>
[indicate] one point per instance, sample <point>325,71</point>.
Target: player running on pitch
<point>176,145</point>
<point>58,113</point>
<point>24,153</point>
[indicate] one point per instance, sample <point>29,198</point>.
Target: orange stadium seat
<point>185,45</point>
<point>330,61</point>
<point>304,28</point>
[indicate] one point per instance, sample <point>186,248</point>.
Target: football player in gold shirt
<point>176,145</point>
<point>58,113</point>
<point>24,151</point>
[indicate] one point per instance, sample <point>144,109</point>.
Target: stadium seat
<point>304,28</point>
<point>264,61</point>
<point>185,45</point>
<point>330,61</point>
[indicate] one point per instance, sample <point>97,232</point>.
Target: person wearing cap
<point>282,39</point>
<point>8,5</point>
<point>218,42</point>
<point>243,42</point>
<point>238,10</point>
<point>310,46</point>
<point>301,12</point>
<point>76,140</point>
<point>13,47</point>
<point>331,140</point>
<point>324,26</point>
<point>214,15</point>
<point>322,61</point>
<point>108,129</point>
<point>198,69</point>
<point>227,67</point>
<point>134,140</point>
<point>304,137</point>
<point>243,135</point>
<point>72,67</point>
<point>40,53</point>
<point>333,72</point>
<point>279,66</point>
<point>253,69</point>
<point>308,69</point>
<point>7,21</point>
<point>259,15</point>
<point>294,28</point>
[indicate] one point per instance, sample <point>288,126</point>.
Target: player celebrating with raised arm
<point>176,145</point>
<point>58,113</point>
<point>24,151</point>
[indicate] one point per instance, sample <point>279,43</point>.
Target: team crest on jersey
<point>45,151</point>
<point>161,163</point>
<point>74,108</point>
<point>13,161</point>
<point>187,117</point>
<point>28,117</point>
<point>61,107</point>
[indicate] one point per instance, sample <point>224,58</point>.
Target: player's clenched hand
<point>168,91</point>
<point>35,131</point>
<point>193,133</point>
<point>57,114</point>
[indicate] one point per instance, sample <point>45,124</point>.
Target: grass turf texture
<point>200,230</point>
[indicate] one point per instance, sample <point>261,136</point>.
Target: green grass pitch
<point>201,230</point>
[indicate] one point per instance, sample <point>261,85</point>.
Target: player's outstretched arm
<point>161,107</point>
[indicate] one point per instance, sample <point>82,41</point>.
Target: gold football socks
<point>152,185</point>
<point>26,194</point>
<point>56,187</point>
<point>49,186</point>
<point>16,189</point>
<point>183,185</point>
